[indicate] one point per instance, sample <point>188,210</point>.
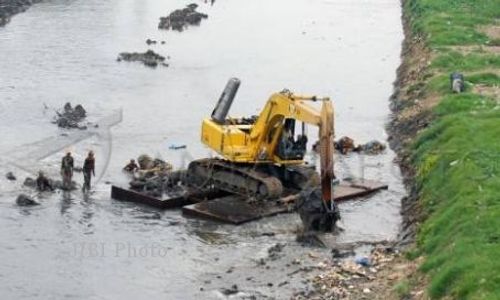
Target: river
<point>93,247</point>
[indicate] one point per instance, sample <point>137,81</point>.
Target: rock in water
<point>25,200</point>
<point>231,291</point>
<point>181,18</point>
<point>10,176</point>
<point>29,182</point>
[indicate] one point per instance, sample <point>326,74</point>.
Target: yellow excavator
<point>262,157</point>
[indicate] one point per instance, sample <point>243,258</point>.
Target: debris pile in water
<point>345,145</point>
<point>148,58</point>
<point>349,279</point>
<point>154,176</point>
<point>70,117</point>
<point>180,19</point>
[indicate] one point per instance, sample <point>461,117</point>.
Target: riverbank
<point>9,8</point>
<point>448,146</point>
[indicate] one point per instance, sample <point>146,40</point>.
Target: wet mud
<point>403,128</point>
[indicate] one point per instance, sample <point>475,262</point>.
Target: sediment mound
<point>148,58</point>
<point>8,8</point>
<point>70,117</point>
<point>181,18</point>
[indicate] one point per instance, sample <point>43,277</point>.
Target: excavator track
<point>234,178</point>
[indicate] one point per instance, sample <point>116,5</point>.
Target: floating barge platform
<point>235,209</point>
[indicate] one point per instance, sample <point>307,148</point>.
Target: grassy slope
<point>457,157</point>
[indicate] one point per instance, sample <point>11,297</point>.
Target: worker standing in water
<point>88,171</point>
<point>67,165</point>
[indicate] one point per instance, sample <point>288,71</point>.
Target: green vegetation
<point>453,22</point>
<point>457,157</point>
<point>402,288</point>
<point>453,61</point>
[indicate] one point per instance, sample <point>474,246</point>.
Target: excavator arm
<point>288,106</point>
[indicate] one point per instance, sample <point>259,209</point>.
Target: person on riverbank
<point>67,166</point>
<point>88,171</point>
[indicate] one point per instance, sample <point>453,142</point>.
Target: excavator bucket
<point>315,214</point>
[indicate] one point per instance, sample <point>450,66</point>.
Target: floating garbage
<point>363,261</point>
<point>346,145</point>
<point>177,147</point>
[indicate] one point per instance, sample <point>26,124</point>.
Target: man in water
<point>43,183</point>
<point>131,167</point>
<point>88,170</point>
<point>67,166</point>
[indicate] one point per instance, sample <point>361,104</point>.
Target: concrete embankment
<point>448,147</point>
<point>9,8</point>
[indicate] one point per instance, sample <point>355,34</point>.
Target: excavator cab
<point>290,146</point>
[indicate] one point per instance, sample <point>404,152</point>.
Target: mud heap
<point>70,117</point>
<point>181,18</point>
<point>148,58</point>
<point>8,8</point>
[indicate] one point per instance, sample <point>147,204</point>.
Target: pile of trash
<point>153,176</point>
<point>70,117</point>
<point>148,58</point>
<point>346,145</point>
<point>181,18</point>
<point>346,279</point>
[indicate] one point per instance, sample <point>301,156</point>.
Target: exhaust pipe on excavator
<point>225,101</point>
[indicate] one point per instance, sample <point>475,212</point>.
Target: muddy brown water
<point>96,248</point>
